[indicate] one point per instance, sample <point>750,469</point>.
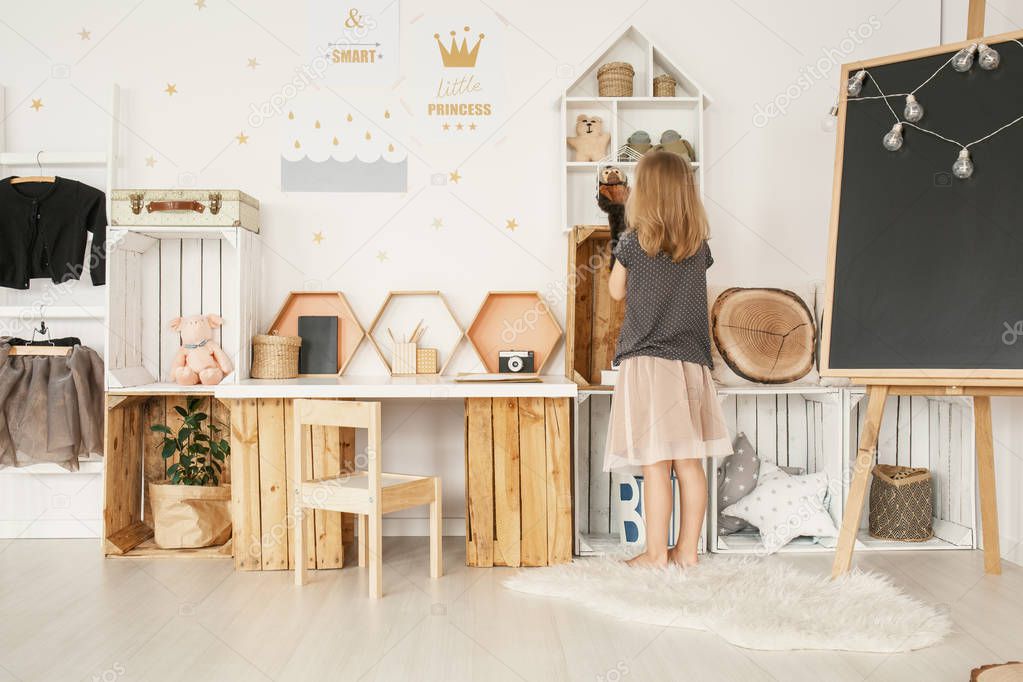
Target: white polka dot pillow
<point>784,507</point>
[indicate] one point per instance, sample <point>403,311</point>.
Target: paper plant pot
<point>190,515</point>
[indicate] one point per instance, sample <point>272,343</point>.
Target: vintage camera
<point>516,361</point>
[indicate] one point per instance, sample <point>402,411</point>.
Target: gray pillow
<point>737,476</point>
<point>793,471</point>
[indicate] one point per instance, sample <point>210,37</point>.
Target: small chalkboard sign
<point>925,270</point>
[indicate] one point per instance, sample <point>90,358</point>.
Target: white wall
<point>768,181</point>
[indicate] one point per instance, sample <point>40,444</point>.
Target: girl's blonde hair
<point>664,208</point>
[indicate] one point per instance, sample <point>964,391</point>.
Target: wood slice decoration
<point>998,672</point>
<point>764,335</point>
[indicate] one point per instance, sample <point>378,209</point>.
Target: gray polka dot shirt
<point>665,305</point>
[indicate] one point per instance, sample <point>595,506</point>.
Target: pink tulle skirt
<point>664,409</point>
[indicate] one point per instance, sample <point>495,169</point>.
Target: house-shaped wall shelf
<point>622,116</point>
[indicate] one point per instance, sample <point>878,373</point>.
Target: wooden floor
<point>68,614</point>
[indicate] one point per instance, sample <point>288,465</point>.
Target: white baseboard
<point>50,528</point>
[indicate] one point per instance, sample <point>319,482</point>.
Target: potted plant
<point>191,508</point>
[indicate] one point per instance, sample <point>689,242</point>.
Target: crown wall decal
<point>459,55</point>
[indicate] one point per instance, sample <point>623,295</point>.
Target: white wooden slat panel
<point>955,460</point>
<point>746,416</point>
<point>887,440</point>
<point>920,442</point>
<point>253,262</point>
<point>583,462</point>
<point>830,459</point>
<point>600,482</point>
<point>117,264</point>
<point>796,427</point>
<point>728,408</point>
<point>210,289</point>
<point>170,302</point>
<point>231,279</point>
<point>767,428</point>
<point>191,277</point>
<point>942,466</point>
<point>967,491</point>
<point>150,292</point>
<point>781,426</point>
<point>904,416</point>
<point>133,311</point>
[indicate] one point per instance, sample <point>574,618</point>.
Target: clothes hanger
<point>35,178</point>
<point>49,349</point>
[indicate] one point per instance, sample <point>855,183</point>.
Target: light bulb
<point>892,140</point>
<point>963,167</point>
<point>988,58</point>
<point>830,121</point>
<point>914,111</point>
<point>855,85</point>
<point>963,59</point>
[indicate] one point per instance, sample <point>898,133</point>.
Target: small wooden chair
<point>370,494</point>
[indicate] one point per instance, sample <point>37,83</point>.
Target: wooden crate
<point>133,460</point>
<point>518,468</point>
<point>157,274</point>
<point>263,481</point>
<point>593,318</point>
<point>792,427</point>
<point>931,432</point>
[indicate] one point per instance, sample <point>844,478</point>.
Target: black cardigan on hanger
<point>43,231</point>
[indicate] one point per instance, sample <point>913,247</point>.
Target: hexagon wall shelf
<point>329,303</point>
<point>402,311</point>
<point>514,320</point>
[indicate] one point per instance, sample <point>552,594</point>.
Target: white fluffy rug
<point>752,603</point>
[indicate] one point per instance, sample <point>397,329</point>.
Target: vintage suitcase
<point>184,208</point>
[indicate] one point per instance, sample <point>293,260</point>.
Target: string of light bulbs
<point>962,61</point>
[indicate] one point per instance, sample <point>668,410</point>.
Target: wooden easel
<point>878,390</point>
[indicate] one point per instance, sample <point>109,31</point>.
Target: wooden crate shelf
<point>592,318</point>
<point>157,274</point>
<point>133,460</point>
<point>518,488</point>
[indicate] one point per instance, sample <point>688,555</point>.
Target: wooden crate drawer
<point>518,468</point>
<point>593,318</point>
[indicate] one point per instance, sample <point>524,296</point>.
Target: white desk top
<point>394,387</point>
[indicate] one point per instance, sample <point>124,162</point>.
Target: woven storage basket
<point>275,357</point>
<point>614,79</point>
<point>664,86</point>
<point>901,503</point>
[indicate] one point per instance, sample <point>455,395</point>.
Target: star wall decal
<point>511,224</point>
<point>242,138</point>
<point>472,126</point>
<point>84,34</point>
<point>37,104</point>
<point>171,89</point>
<point>437,223</point>
<point>253,63</point>
<point>381,256</point>
<point>150,161</point>
<point>317,237</point>
<point>446,126</point>
<point>200,4</point>
<point>454,176</point>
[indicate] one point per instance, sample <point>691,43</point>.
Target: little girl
<point>665,413</point>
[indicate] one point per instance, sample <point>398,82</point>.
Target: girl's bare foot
<point>645,560</point>
<point>683,559</point>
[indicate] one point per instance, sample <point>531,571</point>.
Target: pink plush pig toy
<point>200,359</point>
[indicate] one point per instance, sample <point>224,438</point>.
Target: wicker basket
<point>901,503</point>
<point>664,86</point>
<point>275,357</point>
<point>614,79</point>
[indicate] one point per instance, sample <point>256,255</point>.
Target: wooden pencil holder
<point>404,361</point>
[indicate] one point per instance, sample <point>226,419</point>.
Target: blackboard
<point>925,272</point>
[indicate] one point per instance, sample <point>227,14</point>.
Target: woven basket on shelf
<point>664,86</point>
<point>614,79</point>
<point>901,503</point>
<point>275,357</point>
